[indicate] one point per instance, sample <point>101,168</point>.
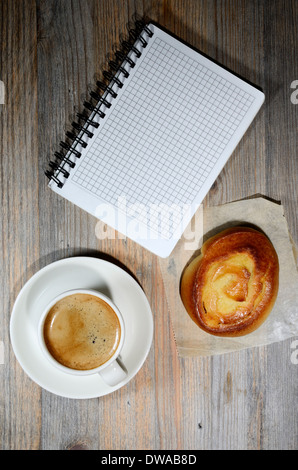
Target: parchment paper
<point>282,322</point>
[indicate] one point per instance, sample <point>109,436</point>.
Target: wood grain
<point>51,50</point>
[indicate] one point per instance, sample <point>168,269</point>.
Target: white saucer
<point>72,273</point>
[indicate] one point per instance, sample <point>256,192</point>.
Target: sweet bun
<point>231,287</point>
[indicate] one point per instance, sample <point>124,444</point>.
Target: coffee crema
<point>82,331</point>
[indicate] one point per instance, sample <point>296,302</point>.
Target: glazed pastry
<point>231,287</point>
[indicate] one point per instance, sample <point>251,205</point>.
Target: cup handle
<point>113,374</point>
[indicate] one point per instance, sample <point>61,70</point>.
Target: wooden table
<point>50,52</point>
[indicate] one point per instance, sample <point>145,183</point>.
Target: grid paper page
<point>165,133</point>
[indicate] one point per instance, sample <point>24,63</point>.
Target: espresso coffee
<point>82,331</point>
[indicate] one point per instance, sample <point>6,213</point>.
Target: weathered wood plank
<point>50,53</point>
<point>19,397</point>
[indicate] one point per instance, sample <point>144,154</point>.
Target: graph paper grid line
<point>165,134</point>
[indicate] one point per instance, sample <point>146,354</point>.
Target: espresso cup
<point>81,332</point>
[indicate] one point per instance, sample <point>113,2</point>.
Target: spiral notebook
<point>154,140</point>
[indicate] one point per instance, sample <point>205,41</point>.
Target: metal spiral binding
<point>89,122</point>
<point>65,159</point>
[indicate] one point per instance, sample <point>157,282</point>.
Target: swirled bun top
<point>231,287</point>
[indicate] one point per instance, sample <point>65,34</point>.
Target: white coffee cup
<point>112,371</point>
